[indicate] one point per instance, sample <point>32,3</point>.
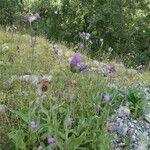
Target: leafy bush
<point>122,24</point>
<point>8,11</point>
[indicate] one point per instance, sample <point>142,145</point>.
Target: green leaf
<point>21,115</point>
<point>76,142</point>
<point>18,138</point>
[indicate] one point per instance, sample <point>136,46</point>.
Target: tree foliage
<point>123,24</point>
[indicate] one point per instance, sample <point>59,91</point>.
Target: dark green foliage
<point>137,101</point>
<point>8,11</point>
<point>123,24</point>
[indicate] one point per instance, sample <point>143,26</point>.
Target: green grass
<point>80,93</point>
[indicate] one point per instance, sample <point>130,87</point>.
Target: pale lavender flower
<point>109,68</point>
<point>85,35</point>
<point>84,68</point>
<point>76,59</point>
<point>51,140</point>
<point>105,97</point>
<point>113,127</point>
<point>33,125</point>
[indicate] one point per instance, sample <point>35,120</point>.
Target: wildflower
<point>33,125</point>
<point>70,123</point>
<point>51,140</point>
<point>113,127</point>
<point>85,35</point>
<point>76,59</point>
<point>43,87</point>
<point>109,68</point>
<point>105,97</point>
<point>84,68</point>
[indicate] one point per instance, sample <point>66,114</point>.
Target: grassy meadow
<point>69,113</point>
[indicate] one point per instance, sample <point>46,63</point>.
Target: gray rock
<point>138,131</point>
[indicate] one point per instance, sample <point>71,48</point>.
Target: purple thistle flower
<point>87,35</point>
<point>109,68</point>
<point>84,68</point>
<point>76,59</point>
<point>105,97</point>
<point>51,140</point>
<point>113,127</point>
<point>33,125</point>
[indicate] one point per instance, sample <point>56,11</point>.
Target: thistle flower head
<point>109,68</point>
<point>76,59</point>
<point>105,97</point>
<point>85,35</point>
<point>51,140</point>
<point>33,125</point>
<point>113,127</point>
